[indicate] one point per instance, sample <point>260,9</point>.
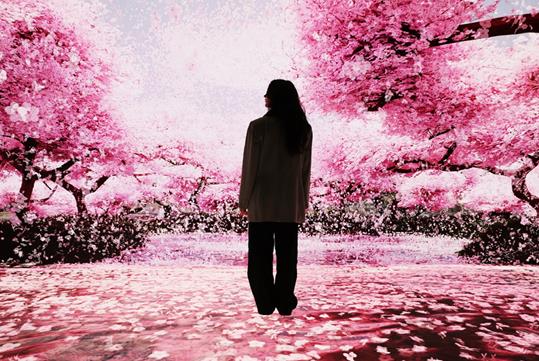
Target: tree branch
<point>43,200</point>
<point>441,165</point>
<point>57,173</point>
<point>12,137</point>
<point>13,159</point>
<point>518,183</point>
<point>447,154</point>
<point>504,25</point>
<point>442,132</point>
<point>99,183</point>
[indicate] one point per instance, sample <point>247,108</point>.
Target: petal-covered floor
<point>353,311</point>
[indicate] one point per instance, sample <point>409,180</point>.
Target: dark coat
<point>274,184</point>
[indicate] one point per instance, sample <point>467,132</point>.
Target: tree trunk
<point>79,194</point>
<point>26,189</point>
<point>29,178</point>
<point>519,187</point>
<point>201,183</point>
<point>81,203</point>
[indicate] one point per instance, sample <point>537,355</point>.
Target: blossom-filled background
<point>122,126</point>
<point>111,104</point>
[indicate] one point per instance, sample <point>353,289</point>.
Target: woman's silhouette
<point>274,195</point>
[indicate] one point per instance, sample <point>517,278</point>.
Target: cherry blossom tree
<point>364,54</point>
<point>170,174</point>
<point>53,120</point>
<point>486,123</point>
<point>422,74</point>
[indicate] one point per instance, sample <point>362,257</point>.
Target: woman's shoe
<point>288,311</point>
<point>266,312</point>
<point>285,313</point>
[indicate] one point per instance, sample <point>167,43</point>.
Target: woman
<point>274,194</point>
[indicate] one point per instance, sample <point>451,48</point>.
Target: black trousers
<point>267,294</point>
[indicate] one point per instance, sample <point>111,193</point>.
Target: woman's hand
<point>243,212</point>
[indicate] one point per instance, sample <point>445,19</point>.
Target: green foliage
<point>498,238</point>
<point>505,240</point>
<point>70,239</point>
<point>382,215</point>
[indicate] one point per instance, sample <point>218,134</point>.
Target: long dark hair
<point>286,106</point>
